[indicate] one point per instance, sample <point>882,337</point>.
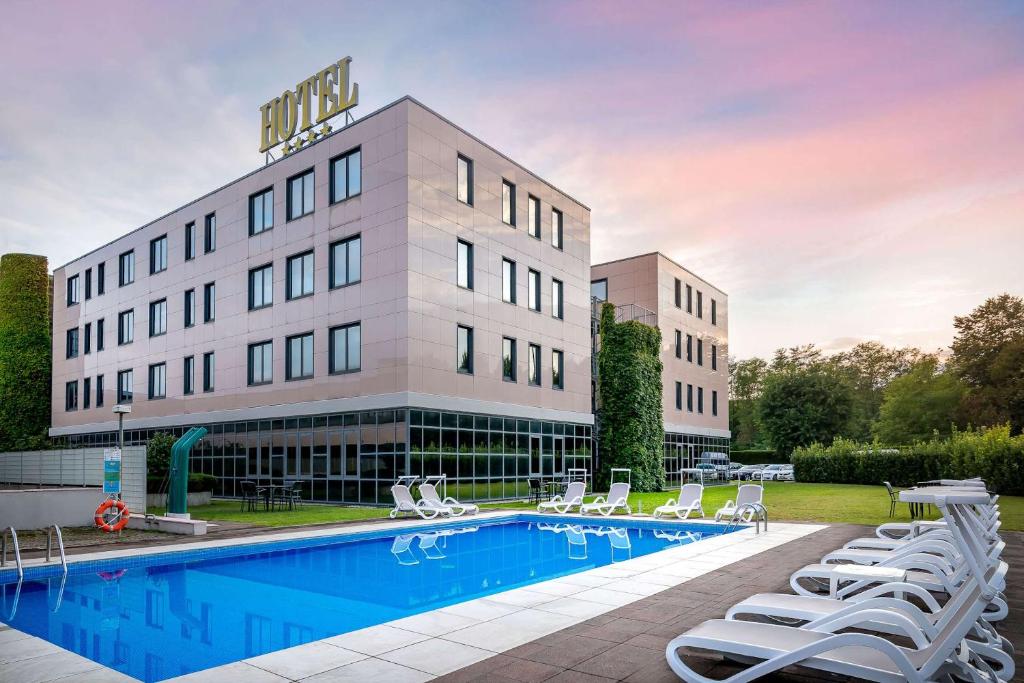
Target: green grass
<point>229,511</point>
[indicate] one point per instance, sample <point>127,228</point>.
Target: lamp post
<point>121,410</point>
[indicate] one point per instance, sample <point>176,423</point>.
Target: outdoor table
<point>553,487</point>
<point>270,494</point>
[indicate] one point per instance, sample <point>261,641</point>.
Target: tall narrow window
<point>508,359</point>
<point>71,343</point>
<point>346,175</point>
<point>556,229</point>
<point>557,369</point>
<point>700,304</point>
<point>126,327</point>
<point>157,381</point>
<point>261,363</point>
<point>714,356</point>
<point>101,279</point>
<point>689,299</point>
<point>188,382</point>
<point>465,180</point>
<point>346,261</point>
<point>599,289</point>
<point>508,202</point>
<point>210,234</point>
<point>714,312</point>
<point>679,395</point>
<point>86,393</point>
<point>71,395</point>
<point>157,318</point>
<point>464,349</point>
<point>99,334</point>
<point>99,391</point>
<point>679,344</point>
<point>700,351</point>
<point>261,211</point>
<point>88,283</point>
<point>300,195</point>
<point>533,289</point>
<point>533,216</point>
<point>689,348</point>
<point>300,275</point>
<point>125,386</point>
<point>557,304</point>
<point>126,268</point>
<point>158,255</point>
<point>679,293</point>
<point>465,264</point>
<point>73,294</point>
<point>533,365</point>
<point>190,307</point>
<point>209,302</point>
<point>714,403</point>
<point>508,281</point>
<point>299,356</point>
<point>346,348</point>
<point>689,398</point>
<point>700,400</point>
<point>208,371</point>
<point>261,287</point>
<point>190,241</point>
<point>87,341</point>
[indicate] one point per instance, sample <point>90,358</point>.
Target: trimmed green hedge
<point>755,456</point>
<point>197,483</point>
<point>989,453</point>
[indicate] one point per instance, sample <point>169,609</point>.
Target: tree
<point>869,367</point>
<point>24,351</point>
<point>746,378</point>
<point>1008,377</point>
<point>158,454</point>
<point>801,406</point>
<point>919,404</point>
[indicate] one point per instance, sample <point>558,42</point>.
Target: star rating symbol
<point>286,149</point>
<point>312,137</point>
<point>325,130</point>
<point>299,142</point>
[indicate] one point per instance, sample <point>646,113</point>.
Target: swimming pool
<point>159,616</point>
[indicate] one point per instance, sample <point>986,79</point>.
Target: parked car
<point>733,468</point>
<point>777,473</point>
<point>748,472</point>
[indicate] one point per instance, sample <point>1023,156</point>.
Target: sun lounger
<point>573,498</point>
<point>404,502</point>
<point>618,496</point>
<point>748,494</point>
<point>689,501</point>
<point>455,508</point>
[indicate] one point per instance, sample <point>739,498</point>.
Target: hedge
<point>755,456</point>
<point>197,483</point>
<point>990,453</point>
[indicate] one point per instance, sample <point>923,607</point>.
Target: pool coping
<point>432,643</point>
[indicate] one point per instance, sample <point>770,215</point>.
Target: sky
<point>843,171</point>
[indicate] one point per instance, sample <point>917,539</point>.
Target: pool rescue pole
<point>177,493</point>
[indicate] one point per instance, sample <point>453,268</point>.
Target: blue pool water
<point>162,616</point>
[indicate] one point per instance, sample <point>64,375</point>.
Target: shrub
<point>991,453</point>
<point>158,454</point>
<point>757,456</point>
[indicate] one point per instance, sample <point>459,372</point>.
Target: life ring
<point>122,515</point>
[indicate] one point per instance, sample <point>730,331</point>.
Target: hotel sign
<point>320,97</point>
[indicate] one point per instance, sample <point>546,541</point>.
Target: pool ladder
<point>760,513</point>
<point>50,532</point>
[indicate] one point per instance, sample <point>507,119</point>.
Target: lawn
<point>229,511</point>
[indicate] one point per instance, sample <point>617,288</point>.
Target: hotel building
<point>395,298</point>
<point>693,317</point>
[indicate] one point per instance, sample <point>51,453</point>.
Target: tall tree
<point>869,367</point>
<point>746,378</point>
<point>800,406</point>
<point>919,404</point>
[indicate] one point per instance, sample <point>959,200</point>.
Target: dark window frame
<point>158,251</point>
<point>71,396</point>
<point>512,281</point>
<point>535,378</point>
<point>288,376</point>
<point>126,394</point>
<point>209,302</point>
<point>71,338</point>
<point>332,268</point>
<point>189,305</point>
<point>468,201</point>
<point>210,233</point>
<point>714,312</point>
<point>152,319</point>
<point>122,330</point>
<point>289,204</point>
<point>557,230</point>
<point>332,360</point>
<point>150,395</point>
<point>678,293</point>
<point>126,273</point>
<point>101,278</point>
<point>290,295</point>
<point>689,398</point>
<point>511,187</point>
<point>190,241</point>
<point>700,304</point>
<point>594,282</point>
<point>345,157</point>
<point>88,283</point>
<point>261,196</point>
<point>252,289</point>
<point>188,375</point>
<point>209,372</point>
<point>512,376</point>
<point>100,325</point>
<point>536,297</point>
<point>558,374</point>
<point>679,395</point>
<point>459,244</point>
<point>558,314</point>
<point>249,357</point>
<point>99,391</point>
<point>714,356</point>
<point>534,216</point>
<point>466,368</point>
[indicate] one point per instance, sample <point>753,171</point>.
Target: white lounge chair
<point>689,501</point>
<point>618,497</point>
<point>456,509</point>
<point>748,494</point>
<point>404,502</point>
<point>562,504</point>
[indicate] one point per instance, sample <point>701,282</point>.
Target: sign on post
<point>111,471</point>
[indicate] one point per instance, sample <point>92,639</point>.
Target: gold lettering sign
<point>322,96</point>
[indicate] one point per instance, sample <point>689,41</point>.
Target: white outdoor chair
<point>618,496</point>
<point>562,504</point>
<point>690,497</point>
<point>456,509</point>
<point>747,494</point>
<point>404,503</point>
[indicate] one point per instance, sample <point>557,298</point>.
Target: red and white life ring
<point>121,518</point>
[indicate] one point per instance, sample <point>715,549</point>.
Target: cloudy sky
<point>845,171</point>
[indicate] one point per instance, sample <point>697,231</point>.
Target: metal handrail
<point>60,545</point>
<point>17,550</point>
<point>760,513</point>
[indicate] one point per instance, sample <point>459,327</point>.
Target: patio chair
<point>456,509</point>
<point>404,502</point>
<point>748,494</point>
<point>573,497</point>
<point>690,496</point>
<point>893,498</point>
<point>289,495</point>
<point>536,490</point>
<point>252,495</point>
<point>618,497</point>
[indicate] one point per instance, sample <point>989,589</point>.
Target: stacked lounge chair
<point>915,603</point>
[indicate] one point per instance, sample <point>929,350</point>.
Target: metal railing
<point>759,514</point>
<point>50,531</point>
<point>17,550</point>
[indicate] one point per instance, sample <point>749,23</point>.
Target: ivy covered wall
<point>629,395</point>
<point>24,352</point>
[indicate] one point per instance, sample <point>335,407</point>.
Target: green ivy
<point>629,392</point>
<point>24,351</point>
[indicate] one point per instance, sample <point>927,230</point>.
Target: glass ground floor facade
<point>686,450</point>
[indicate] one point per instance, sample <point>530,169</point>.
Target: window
<point>346,261</point>
<point>557,362</point>
<point>126,327</point>
<point>700,352</point>
<point>71,395</point>
<point>557,308</point>
<point>714,356</point>
<point>209,302</point>
<point>208,370</point>
<point>261,287</point>
<point>679,293</point>
<point>700,304</point>
<point>679,395</point>
<point>464,349</point>
<point>533,290</point>
<point>86,393</point>
<point>126,268</point>
<point>101,279</point>
<point>300,195</point>
<point>188,381</point>
<point>533,365</point>
<point>261,363</point>
<point>190,307</point>
<point>508,281</point>
<point>210,234</point>
<point>714,309</point>
<point>689,348</point>
<point>679,344</point>
<point>714,403</point>
<point>261,211</point>
<point>99,336</point>
<point>300,275</point>
<point>508,202</point>
<point>464,276</point>
<point>700,400</point>
<point>71,344</point>
<point>158,318</point>
<point>689,397</point>
<point>689,299</point>
<point>556,228</point>
<point>125,386</point>
<point>99,391</point>
<point>88,283</point>
<point>190,241</point>
<point>346,175</point>
<point>345,353</point>
<point>599,290</point>
<point>73,294</point>
<point>508,359</point>
<point>157,381</point>
<point>465,180</point>
<point>299,356</point>
<point>158,255</point>
<point>533,216</point>
<point>87,333</point>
